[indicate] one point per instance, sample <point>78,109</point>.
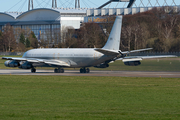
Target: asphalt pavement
<point>92,73</point>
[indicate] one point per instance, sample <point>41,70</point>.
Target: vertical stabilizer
<point>113,41</point>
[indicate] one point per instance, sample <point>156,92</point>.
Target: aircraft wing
<point>14,58</point>
<point>115,52</point>
<point>138,58</point>
<point>46,61</point>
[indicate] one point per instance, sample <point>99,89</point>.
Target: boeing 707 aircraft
<point>82,58</point>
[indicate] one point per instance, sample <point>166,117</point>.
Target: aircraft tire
<point>87,70</point>
<point>81,70</point>
<point>84,70</point>
<point>61,70</point>
<point>55,70</point>
<point>58,70</point>
<point>33,70</point>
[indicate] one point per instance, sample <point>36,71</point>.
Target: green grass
<point>62,97</point>
<point>164,64</point>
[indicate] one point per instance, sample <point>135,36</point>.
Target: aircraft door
<point>58,56</point>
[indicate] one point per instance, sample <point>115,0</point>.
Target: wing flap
<point>57,62</point>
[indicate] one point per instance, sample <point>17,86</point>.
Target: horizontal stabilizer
<point>138,58</point>
<point>159,56</point>
<point>107,51</point>
<point>125,52</point>
<point>149,57</point>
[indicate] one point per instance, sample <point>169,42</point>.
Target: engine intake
<point>11,63</point>
<point>132,63</point>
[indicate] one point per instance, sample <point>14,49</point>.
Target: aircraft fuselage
<point>81,57</point>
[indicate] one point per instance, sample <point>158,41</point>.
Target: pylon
<point>77,2</point>
<point>30,5</point>
<point>54,3</point>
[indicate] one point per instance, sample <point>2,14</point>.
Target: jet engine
<point>26,65</point>
<point>132,63</point>
<point>11,63</point>
<point>104,65</point>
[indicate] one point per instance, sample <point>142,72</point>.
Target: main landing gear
<point>84,70</point>
<point>59,70</point>
<point>33,70</point>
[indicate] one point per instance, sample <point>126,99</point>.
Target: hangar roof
<point>63,11</point>
<point>71,10</point>
<point>34,10</point>
<point>6,17</point>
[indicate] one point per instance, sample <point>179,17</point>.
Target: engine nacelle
<point>11,63</point>
<point>102,66</point>
<point>132,63</point>
<point>26,65</point>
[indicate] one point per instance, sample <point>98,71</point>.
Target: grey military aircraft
<point>82,58</point>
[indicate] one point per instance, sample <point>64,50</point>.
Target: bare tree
<point>144,35</point>
<point>127,35</point>
<point>48,35</point>
<point>9,39</point>
<point>56,35</point>
<point>1,41</point>
<point>136,33</point>
<point>165,28</point>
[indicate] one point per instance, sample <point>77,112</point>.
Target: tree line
<point>158,28</point>
<point>17,39</point>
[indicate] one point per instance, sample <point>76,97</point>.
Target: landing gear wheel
<point>33,70</point>
<point>55,70</point>
<point>84,70</point>
<point>61,70</point>
<point>58,70</point>
<point>87,70</point>
<point>81,70</point>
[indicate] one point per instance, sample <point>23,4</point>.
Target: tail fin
<point>113,41</point>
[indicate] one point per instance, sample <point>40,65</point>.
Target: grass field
<point>60,97</point>
<point>164,64</point>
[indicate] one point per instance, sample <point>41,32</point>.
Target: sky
<point>22,5</point>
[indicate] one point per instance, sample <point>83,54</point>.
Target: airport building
<point>44,20</point>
